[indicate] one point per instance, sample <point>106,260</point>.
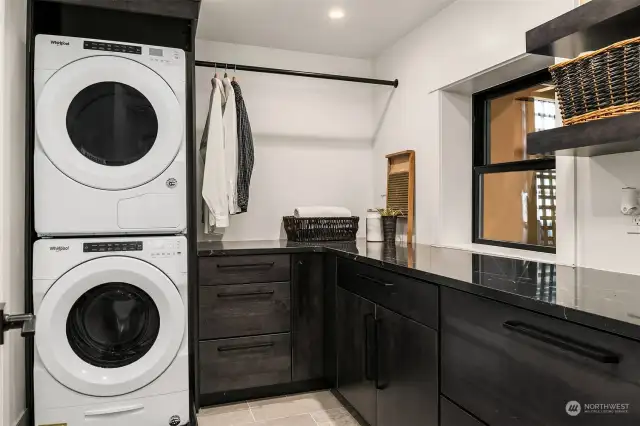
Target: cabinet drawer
<point>531,365</point>
<point>243,363</point>
<point>412,298</point>
<point>244,310</point>
<point>452,415</point>
<point>244,269</point>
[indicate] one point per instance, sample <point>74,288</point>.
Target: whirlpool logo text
<point>60,43</point>
<point>59,248</point>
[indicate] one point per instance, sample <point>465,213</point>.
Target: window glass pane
<point>519,207</point>
<point>512,116</point>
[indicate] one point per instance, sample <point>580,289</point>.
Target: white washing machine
<point>110,138</point>
<point>111,331</point>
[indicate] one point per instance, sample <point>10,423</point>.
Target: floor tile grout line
<point>251,412</point>
<point>286,417</point>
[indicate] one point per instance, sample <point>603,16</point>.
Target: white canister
<point>374,226</point>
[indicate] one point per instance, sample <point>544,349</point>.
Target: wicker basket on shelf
<point>304,229</point>
<point>600,84</point>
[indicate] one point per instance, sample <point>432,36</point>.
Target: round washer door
<point>110,326</point>
<point>109,122</point>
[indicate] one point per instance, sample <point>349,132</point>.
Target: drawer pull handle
<point>247,294</point>
<point>377,281</point>
<point>597,354</point>
<point>369,347</point>
<point>266,265</point>
<point>379,360</point>
<point>244,347</point>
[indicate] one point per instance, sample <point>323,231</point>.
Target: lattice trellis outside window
<point>546,207</point>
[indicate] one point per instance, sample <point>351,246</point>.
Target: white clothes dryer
<point>110,137</point>
<point>111,331</point>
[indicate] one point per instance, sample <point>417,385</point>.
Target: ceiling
<point>369,26</point>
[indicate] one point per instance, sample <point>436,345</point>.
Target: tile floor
<point>308,409</point>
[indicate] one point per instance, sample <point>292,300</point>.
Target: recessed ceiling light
<point>336,13</point>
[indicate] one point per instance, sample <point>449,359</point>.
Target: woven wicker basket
<point>600,84</point>
<point>321,228</point>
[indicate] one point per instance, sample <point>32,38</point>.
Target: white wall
<point>312,137</point>
<point>465,38</point>
<point>12,86</point>
<point>603,241</point>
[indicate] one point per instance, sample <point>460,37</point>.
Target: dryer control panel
<point>113,47</point>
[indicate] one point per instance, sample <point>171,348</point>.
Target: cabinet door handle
<point>368,363</point>
<point>374,280</point>
<point>249,293</point>
<point>379,385</point>
<point>244,347</point>
<point>266,265</point>
<point>568,344</point>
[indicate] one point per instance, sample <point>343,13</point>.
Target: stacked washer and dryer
<point>110,267</point>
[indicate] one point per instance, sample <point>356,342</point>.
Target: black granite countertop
<point>603,300</point>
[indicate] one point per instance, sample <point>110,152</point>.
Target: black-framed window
<point>514,194</point>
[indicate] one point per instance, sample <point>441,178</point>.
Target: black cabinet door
<point>452,415</point>
<point>509,366</point>
<point>407,371</point>
<point>308,316</point>
<point>356,353</point>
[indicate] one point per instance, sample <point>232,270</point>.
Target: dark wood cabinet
<point>407,376</point>
<point>244,269</point>
<point>244,310</point>
<point>188,9</point>
<point>246,362</point>
<point>452,415</point>
<point>503,363</point>
<point>355,346</point>
<point>387,364</point>
<point>373,335</point>
<point>307,345</point>
<point>416,299</point>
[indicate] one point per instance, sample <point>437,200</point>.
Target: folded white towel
<point>322,211</point>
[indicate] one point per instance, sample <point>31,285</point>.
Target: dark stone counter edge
<point>577,316</point>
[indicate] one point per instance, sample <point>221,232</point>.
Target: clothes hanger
<point>235,71</point>
<point>225,70</point>
<point>215,74</point>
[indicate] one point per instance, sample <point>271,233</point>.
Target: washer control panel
<point>159,249</point>
<point>110,246</point>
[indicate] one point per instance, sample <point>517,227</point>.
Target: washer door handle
<point>25,322</point>
<point>111,410</point>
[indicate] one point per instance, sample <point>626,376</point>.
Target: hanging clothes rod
<point>236,67</point>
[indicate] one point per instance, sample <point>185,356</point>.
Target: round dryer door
<point>110,326</point>
<point>109,122</point>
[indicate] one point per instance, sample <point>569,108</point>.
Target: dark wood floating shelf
<point>600,137</point>
<point>591,26</point>
<point>185,9</point>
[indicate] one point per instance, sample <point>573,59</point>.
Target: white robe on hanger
<point>214,183</point>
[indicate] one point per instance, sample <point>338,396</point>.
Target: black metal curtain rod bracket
<point>250,68</point>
